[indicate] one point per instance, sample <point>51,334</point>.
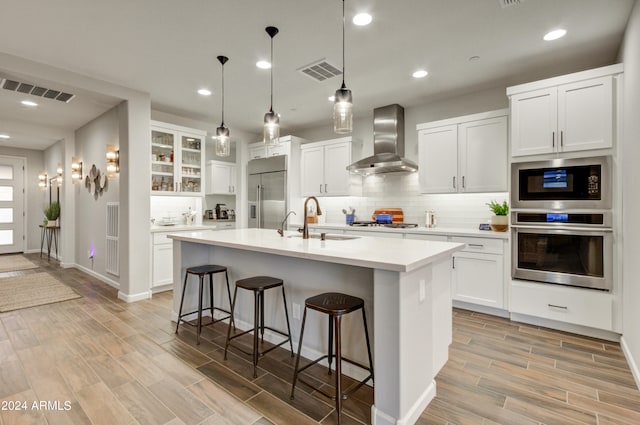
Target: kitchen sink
<point>327,237</point>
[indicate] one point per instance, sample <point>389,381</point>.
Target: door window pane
<point>6,215</point>
<point>6,237</point>
<point>6,193</point>
<point>6,172</point>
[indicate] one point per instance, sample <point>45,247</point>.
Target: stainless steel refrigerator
<point>267,191</point>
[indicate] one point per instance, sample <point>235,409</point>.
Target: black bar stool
<point>335,305</point>
<point>201,272</point>
<point>258,284</point>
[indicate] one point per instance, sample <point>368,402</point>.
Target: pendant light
<point>271,119</point>
<point>343,102</point>
<point>223,141</point>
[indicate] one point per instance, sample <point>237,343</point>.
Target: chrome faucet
<point>281,229</point>
<point>305,226</point>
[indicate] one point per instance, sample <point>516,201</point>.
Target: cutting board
<point>396,214</point>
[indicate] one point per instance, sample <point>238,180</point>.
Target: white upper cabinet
<point>438,159</point>
<point>570,113</point>
<point>464,154</point>
<point>221,178</point>
<point>260,150</point>
<point>177,159</point>
<point>323,167</point>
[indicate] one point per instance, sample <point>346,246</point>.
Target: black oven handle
<point>565,229</point>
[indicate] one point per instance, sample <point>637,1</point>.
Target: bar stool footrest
<point>345,393</point>
<point>260,353</point>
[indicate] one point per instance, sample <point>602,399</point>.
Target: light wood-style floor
<point>118,363</point>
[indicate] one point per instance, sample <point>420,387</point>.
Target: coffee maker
<point>222,212</point>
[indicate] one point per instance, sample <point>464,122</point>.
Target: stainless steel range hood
<point>388,144</point>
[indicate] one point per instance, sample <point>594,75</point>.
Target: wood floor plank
<point>139,366</point>
<point>223,403</point>
<point>75,415</point>
<point>278,411</point>
<point>629,413</point>
<point>102,406</point>
<point>144,345</point>
<point>13,380</point>
<point>305,403</point>
<point>77,372</point>
<point>43,375</point>
<point>143,405</point>
<point>109,371</point>
<point>184,404</point>
<point>176,369</point>
<point>184,352</point>
<point>231,381</point>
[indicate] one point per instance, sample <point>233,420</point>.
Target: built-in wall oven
<point>561,222</point>
<point>566,248</point>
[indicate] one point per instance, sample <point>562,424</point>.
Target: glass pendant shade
<point>223,143</point>
<point>223,140</point>
<point>343,111</point>
<point>271,128</point>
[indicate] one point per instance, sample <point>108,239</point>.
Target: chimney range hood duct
<point>388,144</point>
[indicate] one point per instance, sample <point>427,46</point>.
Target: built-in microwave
<point>562,184</point>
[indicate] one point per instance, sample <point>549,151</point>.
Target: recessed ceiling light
<point>4,136</point>
<point>555,34</point>
<point>420,73</point>
<point>29,103</point>
<point>204,92</point>
<point>332,98</point>
<point>263,64</point>
<point>362,19</point>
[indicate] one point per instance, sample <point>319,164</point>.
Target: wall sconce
<point>42,181</point>
<point>113,160</point>
<point>76,170</point>
<point>59,172</point>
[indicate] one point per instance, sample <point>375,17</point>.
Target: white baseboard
<point>493,311</point>
<point>378,417</point>
<point>135,297</point>
<point>98,276</point>
<point>632,364</point>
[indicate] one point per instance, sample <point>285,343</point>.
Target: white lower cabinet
<point>375,234</point>
<point>478,279</point>
<point>478,272</point>
<point>564,304</point>
<point>162,261</point>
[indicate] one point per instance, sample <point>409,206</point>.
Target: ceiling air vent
<point>34,90</point>
<point>320,70</point>
<point>507,3</point>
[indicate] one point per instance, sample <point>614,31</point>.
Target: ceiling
<point>168,48</point>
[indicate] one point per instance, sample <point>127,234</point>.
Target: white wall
<point>91,147</point>
<point>631,196</point>
<point>35,198</point>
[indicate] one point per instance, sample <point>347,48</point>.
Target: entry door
<point>11,205</point>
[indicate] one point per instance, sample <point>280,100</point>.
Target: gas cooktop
<point>374,224</point>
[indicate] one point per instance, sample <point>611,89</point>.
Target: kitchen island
<point>405,285</point>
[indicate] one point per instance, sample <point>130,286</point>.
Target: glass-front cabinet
<point>177,159</point>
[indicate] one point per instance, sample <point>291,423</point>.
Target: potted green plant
<point>52,213</point>
<point>500,220</point>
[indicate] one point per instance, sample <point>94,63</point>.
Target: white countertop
<point>445,231</point>
<point>402,255</point>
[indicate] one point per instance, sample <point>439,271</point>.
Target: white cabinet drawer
<point>484,245</point>
<point>578,306</point>
<point>161,238</point>
<point>223,226</point>
<point>375,234</point>
<point>437,238</point>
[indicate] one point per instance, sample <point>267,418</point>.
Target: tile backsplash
<point>175,206</point>
<point>402,191</point>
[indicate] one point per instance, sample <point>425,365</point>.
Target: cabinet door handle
<point>561,138</point>
<point>553,139</point>
<point>475,245</point>
<point>320,187</point>
<point>563,307</point>
<point>453,262</point>
<point>454,182</point>
<point>325,188</point>
<point>463,182</point>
